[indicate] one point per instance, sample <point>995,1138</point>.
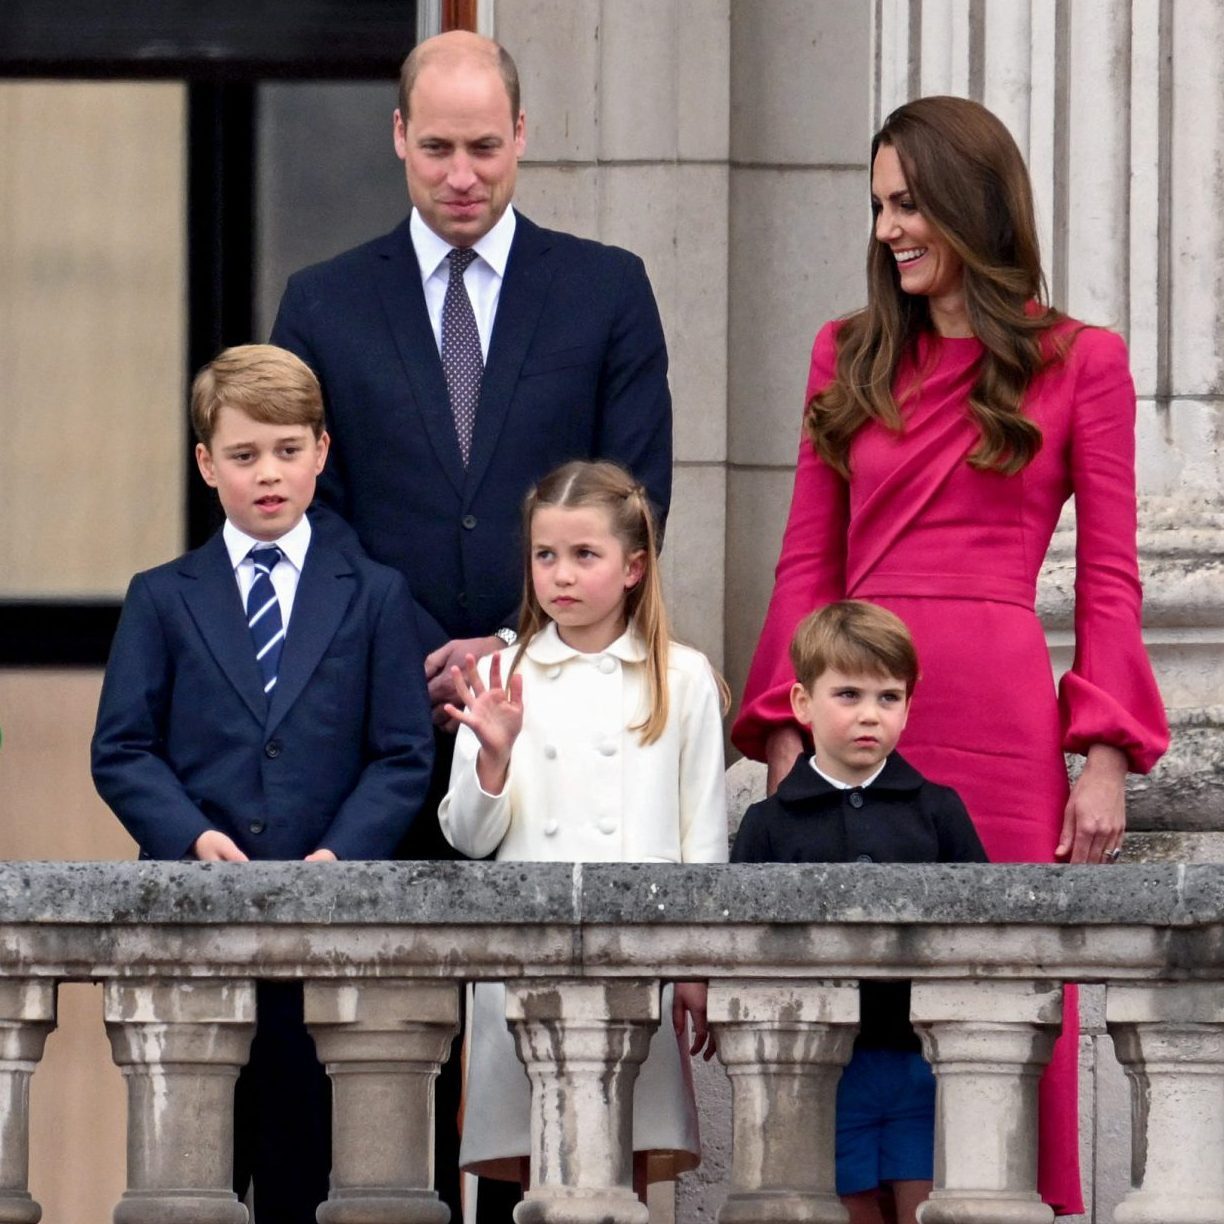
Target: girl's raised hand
<point>494,715</point>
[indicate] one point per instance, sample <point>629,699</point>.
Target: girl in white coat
<point>594,739</point>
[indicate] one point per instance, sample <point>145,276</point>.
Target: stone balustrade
<point>383,949</point>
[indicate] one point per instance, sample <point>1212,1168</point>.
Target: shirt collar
<point>493,248</point>
<point>838,784</point>
<point>547,648</point>
<point>293,543</point>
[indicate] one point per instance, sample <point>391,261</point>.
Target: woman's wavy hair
<point>966,176</point>
<point>606,485</point>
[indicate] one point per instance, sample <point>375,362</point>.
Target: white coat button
<point>550,829</point>
<point>607,748</point>
<point>607,825</point>
<point>607,665</point>
<point>554,671</point>
<point>550,753</point>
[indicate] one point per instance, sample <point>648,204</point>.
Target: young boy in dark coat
<point>856,800</point>
<point>265,699</point>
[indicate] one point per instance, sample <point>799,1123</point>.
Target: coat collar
<point>803,785</point>
<point>325,589</point>
<point>547,648</point>
<point>529,272</point>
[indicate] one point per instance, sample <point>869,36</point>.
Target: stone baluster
<point>1170,1041</point>
<point>784,1044</point>
<point>27,1015</point>
<point>180,1046</point>
<point>582,1043</point>
<point>382,1043</point>
<point>988,1043</point>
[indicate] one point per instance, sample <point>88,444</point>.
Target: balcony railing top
<point>474,920</point>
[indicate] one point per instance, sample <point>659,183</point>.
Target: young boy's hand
<point>212,846</point>
<point>690,998</point>
<point>322,855</point>
<point>495,716</point>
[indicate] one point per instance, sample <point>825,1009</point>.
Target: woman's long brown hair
<point>965,175</point>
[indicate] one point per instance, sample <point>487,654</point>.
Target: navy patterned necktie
<point>264,614</point>
<point>462,360</point>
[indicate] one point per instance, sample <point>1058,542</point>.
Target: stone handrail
<point>382,948</point>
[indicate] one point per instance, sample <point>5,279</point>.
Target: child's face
<point>856,721</point>
<point>581,572</point>
<point>264,474</point>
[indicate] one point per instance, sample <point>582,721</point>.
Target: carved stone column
<point>582,1043</point>
<point>987,1042</point>
<point>1170,1041</point>
<point>180,1046</point>
<point>382,1044</point>
<point>27,1015</point>
<point>784,1045</point>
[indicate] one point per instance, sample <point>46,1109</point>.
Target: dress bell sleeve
<point>811,572</point>
<point>1109,696</point>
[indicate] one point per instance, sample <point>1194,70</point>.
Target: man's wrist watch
<point>509,636</point>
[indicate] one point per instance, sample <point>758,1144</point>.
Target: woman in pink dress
<point>946,425</point>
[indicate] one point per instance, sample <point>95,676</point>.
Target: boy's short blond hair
<point>856,638</point>
<point>269,384</point>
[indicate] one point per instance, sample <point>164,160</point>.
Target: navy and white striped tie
<point>264,614</point>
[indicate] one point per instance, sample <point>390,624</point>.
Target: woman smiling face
<point>927,266</point>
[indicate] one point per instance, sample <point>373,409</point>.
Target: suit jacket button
<point>272,749</point>
<point>257,826</point>
<point>856,798</point>
<point>468,521</point>
<point>461,599</point>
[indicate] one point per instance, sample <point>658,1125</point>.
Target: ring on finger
<point>1112,856</point>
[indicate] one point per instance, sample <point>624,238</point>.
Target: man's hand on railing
<point>213,846</point>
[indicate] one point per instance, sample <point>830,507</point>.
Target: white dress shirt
<point>483,278</point>
<point>285,574</point>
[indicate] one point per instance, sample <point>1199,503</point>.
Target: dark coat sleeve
<point>752,841</point>
<point>130,770</point>
<point>958,839</point>
<point>398,739</point>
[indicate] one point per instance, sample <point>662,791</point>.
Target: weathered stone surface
<point>1170,1041</point>
<point>987,1043</point>
<point>27,1015</point>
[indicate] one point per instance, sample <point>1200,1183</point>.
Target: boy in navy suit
<point>265,699</point>
<point>855,800</point>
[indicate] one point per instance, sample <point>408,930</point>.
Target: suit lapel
<point>211,595</point>
<point>403,297</point>
<point>324,592</point>
<point>524,291</point>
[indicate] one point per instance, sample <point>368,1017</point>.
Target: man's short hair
<point>422,53</point>
<point>857,638</point>
<point>269,384</point>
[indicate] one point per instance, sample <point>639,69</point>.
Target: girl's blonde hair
<point>581,484</point>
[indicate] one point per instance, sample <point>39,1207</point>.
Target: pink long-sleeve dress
<point>955,552</point>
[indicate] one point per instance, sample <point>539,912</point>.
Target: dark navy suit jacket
<point>339,756</point>
<point>577,368</point>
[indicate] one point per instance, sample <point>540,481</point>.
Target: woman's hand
<point>495,716</point>
<point>690,998</point>
<point>1095,818</point>
<point>782,749</point>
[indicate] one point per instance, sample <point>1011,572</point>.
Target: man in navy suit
<point>264,699</point>
<point>574,360</point>
<point>571,364</point>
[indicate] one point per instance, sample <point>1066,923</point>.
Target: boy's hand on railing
<point>322,855</point>
<point>690,998</point>
<point>213,846</point>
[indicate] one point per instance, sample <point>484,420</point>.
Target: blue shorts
<point>885,1120</point>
